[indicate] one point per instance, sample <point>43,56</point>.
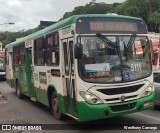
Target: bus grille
<point>122,107</point>
<point>123,90</point>
<point>116,99</point>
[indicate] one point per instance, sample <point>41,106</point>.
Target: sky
<point>27,14</point>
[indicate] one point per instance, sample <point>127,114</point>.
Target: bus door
<point>29,72</point>
<point>68,76</point>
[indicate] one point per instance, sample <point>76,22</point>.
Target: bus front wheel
<point>55,107</point>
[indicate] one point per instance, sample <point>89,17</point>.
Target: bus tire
<point>18,91</point>
<point>55,107</point>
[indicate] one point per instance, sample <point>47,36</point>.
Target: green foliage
<point>8,37</point>
<point>155,19</point>
<point>91,8</point>
<point>148,10</point>
<point>139,8</point>
<point>136,8</point>
<point>3,36</point>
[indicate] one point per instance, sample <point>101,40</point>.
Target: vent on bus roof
<point>123,90</point>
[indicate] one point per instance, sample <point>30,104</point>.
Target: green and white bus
<point>2,64</point>
<point>85,66</point>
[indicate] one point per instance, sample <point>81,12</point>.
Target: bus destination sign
<point>110,25</point>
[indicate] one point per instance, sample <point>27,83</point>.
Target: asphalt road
<point>25,111</point>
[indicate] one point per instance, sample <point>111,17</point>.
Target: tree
<point>90,8</point>
<point>8,37</point>
<point>148,10</point>
<point>132,11</point>
<point>139,8</point>
<point>3,36</point>
<point>155,19</point>
<point>136,8</point>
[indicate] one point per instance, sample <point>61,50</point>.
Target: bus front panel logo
<point>122,98</point>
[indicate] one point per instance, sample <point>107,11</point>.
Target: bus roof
<point>63,23</point>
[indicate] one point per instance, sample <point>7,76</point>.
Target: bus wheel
<point>55,107</point>
<point>18,91</point>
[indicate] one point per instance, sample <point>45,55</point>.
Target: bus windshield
<point>109,59</point>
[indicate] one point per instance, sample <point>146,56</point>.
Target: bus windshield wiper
<point>106,40</point>
<point>145,49</point>
<point>126,47</point>
<point>125,51</point>
<point>130,42</point>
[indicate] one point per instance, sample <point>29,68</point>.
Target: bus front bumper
<point>87,112</point>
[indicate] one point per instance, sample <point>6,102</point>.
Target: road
<point>16,111</point>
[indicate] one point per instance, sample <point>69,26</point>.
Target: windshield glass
<point>108,59</point>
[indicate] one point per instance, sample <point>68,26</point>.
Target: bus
<point>85,67</point>
<point>155,41</point>
<point>2,65</point>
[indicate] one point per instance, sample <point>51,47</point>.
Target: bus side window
<point>21,54</point>
<point>52,49</point>
<point>39,52</point>
<point>16,55</point>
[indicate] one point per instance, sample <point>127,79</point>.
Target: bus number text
<point>136,67</point>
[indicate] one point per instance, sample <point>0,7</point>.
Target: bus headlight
<point>148,91</point>
<point>90,98</point>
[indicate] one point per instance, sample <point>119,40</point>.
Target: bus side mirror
<point>78,48</point>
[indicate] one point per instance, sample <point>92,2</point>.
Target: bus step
<point>33,99</point>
